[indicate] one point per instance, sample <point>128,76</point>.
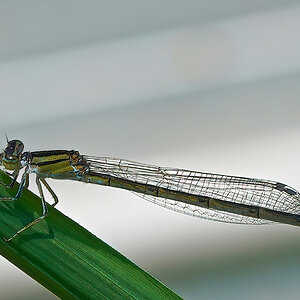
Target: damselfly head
<point>11,155</point>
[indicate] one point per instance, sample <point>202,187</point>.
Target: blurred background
<point>203,85</point>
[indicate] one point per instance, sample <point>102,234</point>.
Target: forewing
<point>249,191</point>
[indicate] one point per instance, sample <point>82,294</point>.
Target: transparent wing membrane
<point>255,192</point>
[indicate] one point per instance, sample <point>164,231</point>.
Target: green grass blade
<point>66,258</point>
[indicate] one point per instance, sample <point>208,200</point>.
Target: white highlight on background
<point>156,66</point>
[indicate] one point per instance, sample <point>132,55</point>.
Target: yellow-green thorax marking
<point>55,163</point>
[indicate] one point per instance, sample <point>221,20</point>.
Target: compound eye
<point>14,148</point>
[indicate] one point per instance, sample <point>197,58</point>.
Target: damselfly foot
<point>9,199</point>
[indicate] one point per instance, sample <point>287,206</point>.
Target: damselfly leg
<point>44,205</point>
<point>14,176</point>
<point>23,183</point>
<point>50,191</point>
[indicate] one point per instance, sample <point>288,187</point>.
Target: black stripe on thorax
<point>48,153</point>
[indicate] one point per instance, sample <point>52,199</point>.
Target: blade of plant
<point>66,258</point>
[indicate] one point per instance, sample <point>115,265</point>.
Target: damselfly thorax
<point>211,196</point>
<point>55,163</point>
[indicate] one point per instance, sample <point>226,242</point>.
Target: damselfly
<point>210,196</point>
